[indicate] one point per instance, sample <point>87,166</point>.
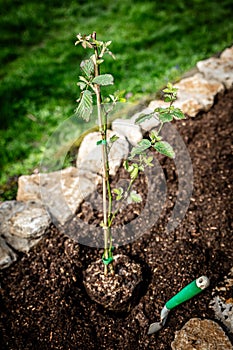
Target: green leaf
<point>126,164</point>
<point>154,136</point>
<point>164,148</point>
<point>134,173</point>
<point>164,115</point>
<point>119,192</point>
<point>133,169</point>
<point>85,106</point>
<point>82,85</point>
<point>87,67</point>
<point>141,147</point>
<point>148,160</point>
<point>178,114</point>
<point>143,117</point>
<point>168,98</point>
<point>170,89</point>
<point>114,138</point>
<point>141,167</point>
<point>104,79</point>
<point>81,78</point>
<point>134,197</point>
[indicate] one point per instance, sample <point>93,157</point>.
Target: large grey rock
<point>90,156</point>
<point>23,223</point>
<point>195,94</point>
<point>220,69</point>
<point>61,192</point>
<point>128,129</point>
<point>200,334</point>
<point>7,256</point>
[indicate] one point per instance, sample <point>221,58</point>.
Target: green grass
<point>154,42</point>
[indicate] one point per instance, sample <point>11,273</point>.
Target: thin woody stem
<point>102,120</point>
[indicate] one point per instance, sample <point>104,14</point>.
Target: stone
<point>227,54</point>
<point>222,303</point>
<point>223,311</point>
<point>194,94</point>
<point>128,129</point>
<point>61,191</point>
<point>90,154</point>
<point>219,69</point>
<point>189,106</point>
<point>23,223</point>
<point>199,334</point>
<point>148,124</point>
<point>7,256</point>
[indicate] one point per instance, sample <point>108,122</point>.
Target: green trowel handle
<point>187,293</point>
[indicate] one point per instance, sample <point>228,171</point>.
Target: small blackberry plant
<point>90,83</point>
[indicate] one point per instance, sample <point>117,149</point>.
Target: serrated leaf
<point>154,136</point>
<point>133,169</point>
<point>103,79</point>
<point>178,114</point>
<point>141,147</point>
<point>119,192</point>
<point>164,148</point>
<point>134,197</point>
<point>148,161</point>
<point>85,106</point>
<point>134,174</point>
<point>167,99</point>
<point>81,78</point>
<point>160,109</point>
<point>87,67</point>
<point>143,117</point>
<point>170,89</point>
<point>165,116</point>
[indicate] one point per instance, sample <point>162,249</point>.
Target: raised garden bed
<point>44,304</point>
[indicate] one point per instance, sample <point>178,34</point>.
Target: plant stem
<point>102,121</point>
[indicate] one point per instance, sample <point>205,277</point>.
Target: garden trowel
<point>184,294</point>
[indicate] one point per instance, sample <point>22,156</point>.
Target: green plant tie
<point>107,261</point>
<point>110,259</point>
<point>101,142</point>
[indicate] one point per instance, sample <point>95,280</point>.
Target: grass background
<point>154,42</point>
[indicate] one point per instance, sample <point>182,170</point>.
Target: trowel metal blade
<point>154,327</point>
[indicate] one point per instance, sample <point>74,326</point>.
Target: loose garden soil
<point>44,304</point>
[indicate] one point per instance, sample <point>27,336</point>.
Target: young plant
<point>91,83</point>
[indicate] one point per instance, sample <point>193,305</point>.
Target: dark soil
<point>44,304</point>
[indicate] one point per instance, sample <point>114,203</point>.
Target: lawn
<point>153,42</point>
